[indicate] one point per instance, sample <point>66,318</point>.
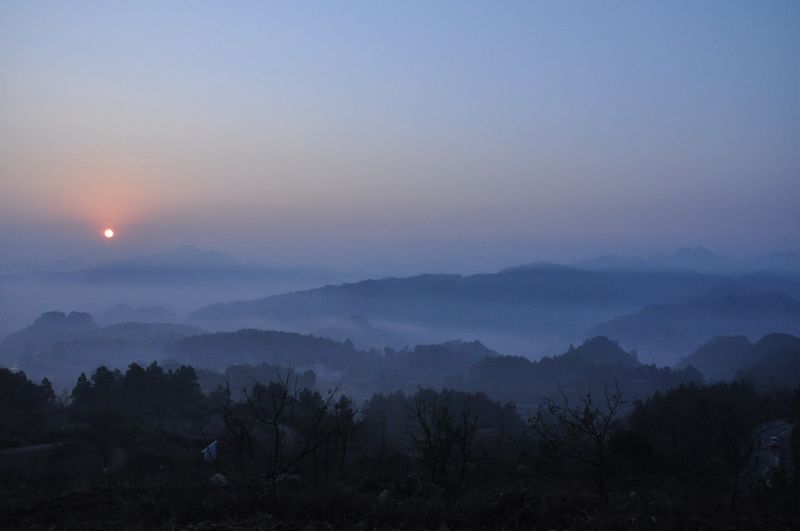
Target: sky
<point>399,135</point>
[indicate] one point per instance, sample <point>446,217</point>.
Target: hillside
<point>669,331</point>
<point>46,329</point>
<point>698,259</point>
<point>777,363</point>
<point>529,310</point>
<point>597,365</point>
<point>220,350</point>
<point>721,358</point>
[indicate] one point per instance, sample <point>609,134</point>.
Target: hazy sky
<point>430,134</point>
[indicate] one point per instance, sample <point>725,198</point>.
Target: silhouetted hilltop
<point>773,361</point>
<point>48,328</point>
<point>670,330</point>
<point>777,362</point>
<point>602,351</point>
<point>721,357</point>
<point>597,364</point>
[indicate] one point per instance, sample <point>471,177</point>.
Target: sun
<point>108,233</point>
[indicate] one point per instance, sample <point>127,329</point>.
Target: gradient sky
<point>459,135</point>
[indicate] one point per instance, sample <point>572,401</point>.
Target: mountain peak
<point>695,252</point>
<point>60,319</point>
<point>600,350</point>
<point>535,266</point>
<point>187,256</point>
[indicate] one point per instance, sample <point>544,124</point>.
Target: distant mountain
<point>695,259</point>
<point>122,313</point>
<point>48,328</point>
<point>536,266</point>
<point>184,265</point>
<point>14,269</point>
<point>721,358</point>
<point>672,330</point>
<point>602,351</point>
<point>530,310</point>
<point>785,262</point>
<point>698,259</point>
<point>777,363</point>
<point>611,261</point>
<point>185,256</point>
<point>773,361</point>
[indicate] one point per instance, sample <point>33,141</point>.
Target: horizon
<point>399,137</point>
<point>378,269</point>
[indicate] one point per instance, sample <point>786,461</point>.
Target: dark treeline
<point>125,449</point>
<point>60,346</point>
<point>466,366</point>
<point>594,364</point>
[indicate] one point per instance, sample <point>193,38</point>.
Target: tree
<point>24,406</point>
<point>278,424</point>
<point>704,436</point>
<point>443,428</point>
<point>344,420</point>
<point>583,433</point>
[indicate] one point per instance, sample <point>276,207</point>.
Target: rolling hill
<point>531,310</point>
<point>673,330</point>
<point>772,361</point>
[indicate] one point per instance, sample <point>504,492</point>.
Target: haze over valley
<point>384,266</point>
<point>663,308</point>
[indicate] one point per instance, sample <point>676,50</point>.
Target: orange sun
<point>108,233</point>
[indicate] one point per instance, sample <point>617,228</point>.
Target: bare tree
<point>344,426</point>
<point>288,414</point>
<point>271,406</point>
<point>470,416</point>
<point>431,431</point>
<point>739,453</point>
<point>443,430</point>
<point>582,432</point>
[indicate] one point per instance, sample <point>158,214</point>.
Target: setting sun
<point>108,233</point>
